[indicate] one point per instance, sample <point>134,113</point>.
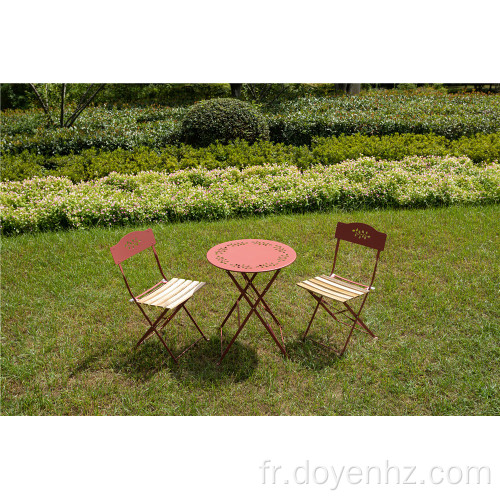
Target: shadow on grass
<point>198,364</point>
<point>144,362</point>
<point>141,363</point>
<point>87,364</point>
<point>311,355</point>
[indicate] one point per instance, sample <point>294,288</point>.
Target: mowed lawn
<point>68,329</point>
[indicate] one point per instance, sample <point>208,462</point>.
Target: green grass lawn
<point>68,328</point>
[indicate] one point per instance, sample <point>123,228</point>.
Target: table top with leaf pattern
<point>251,255</point>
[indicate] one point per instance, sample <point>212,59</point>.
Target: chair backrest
<point>131,244</point>
<point>363,234</point>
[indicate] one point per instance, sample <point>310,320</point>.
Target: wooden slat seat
<point>170,294</point>
<point>333,287</point>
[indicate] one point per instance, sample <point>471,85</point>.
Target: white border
<point>160,457</point>
<point>262,41</point>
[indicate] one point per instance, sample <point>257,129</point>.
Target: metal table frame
<point>246,289</point>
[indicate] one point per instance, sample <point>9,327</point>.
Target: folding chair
<point>168,294</point>
<point>343,290</point>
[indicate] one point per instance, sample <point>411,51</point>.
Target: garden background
<point>419,162</point>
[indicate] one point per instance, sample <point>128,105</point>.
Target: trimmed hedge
<point>295,122</point>
<point>479,148</point>
<point>92,164</point>
<point>384,113</point>
<point>99,128</point>
<point>55,203</point>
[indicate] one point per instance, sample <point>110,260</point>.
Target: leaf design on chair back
<point>361,234</point>
<point>133,243</point>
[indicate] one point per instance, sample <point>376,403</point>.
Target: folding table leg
<point>260,298</point>
<point>263,302</point>
<point>268,310</point>
<point>253,309</point>
<point>237,303</point>
<point>223,354</point>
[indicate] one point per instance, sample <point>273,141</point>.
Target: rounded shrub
<point>223,120</point>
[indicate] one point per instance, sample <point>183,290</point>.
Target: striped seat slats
<point>333,288</point>
<point>172,293</point>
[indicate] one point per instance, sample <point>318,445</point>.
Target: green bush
<point>14,95</point>
<point>223,120</point>
<point>330,150</point>
<point>268,93</point>
<point>90,164</point>
<point>25,165</point>
<point>292,122</point>
<point>164,93</point>
<point>98,127</point>
<point>422,111</point>
<point>406,86</point>
<point>94,164</point>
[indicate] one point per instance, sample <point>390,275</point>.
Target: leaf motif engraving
<point>133,243</point>
<point>360,233</point>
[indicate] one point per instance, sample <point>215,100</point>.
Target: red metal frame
<point>130,245</point>
<point>249,258</point>
<point>253,310</point>
<point>361,234</point>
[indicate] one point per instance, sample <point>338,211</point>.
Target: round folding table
<point>249,258</point>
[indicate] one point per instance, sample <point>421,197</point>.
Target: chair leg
<point>153,329</point>
<point>358,320</point>
<point>176,310</point>
<point>310,322</point>
<point>166,346</point>
<point>192,319</point>
<point>355,319</point>
<point>348,338</point>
